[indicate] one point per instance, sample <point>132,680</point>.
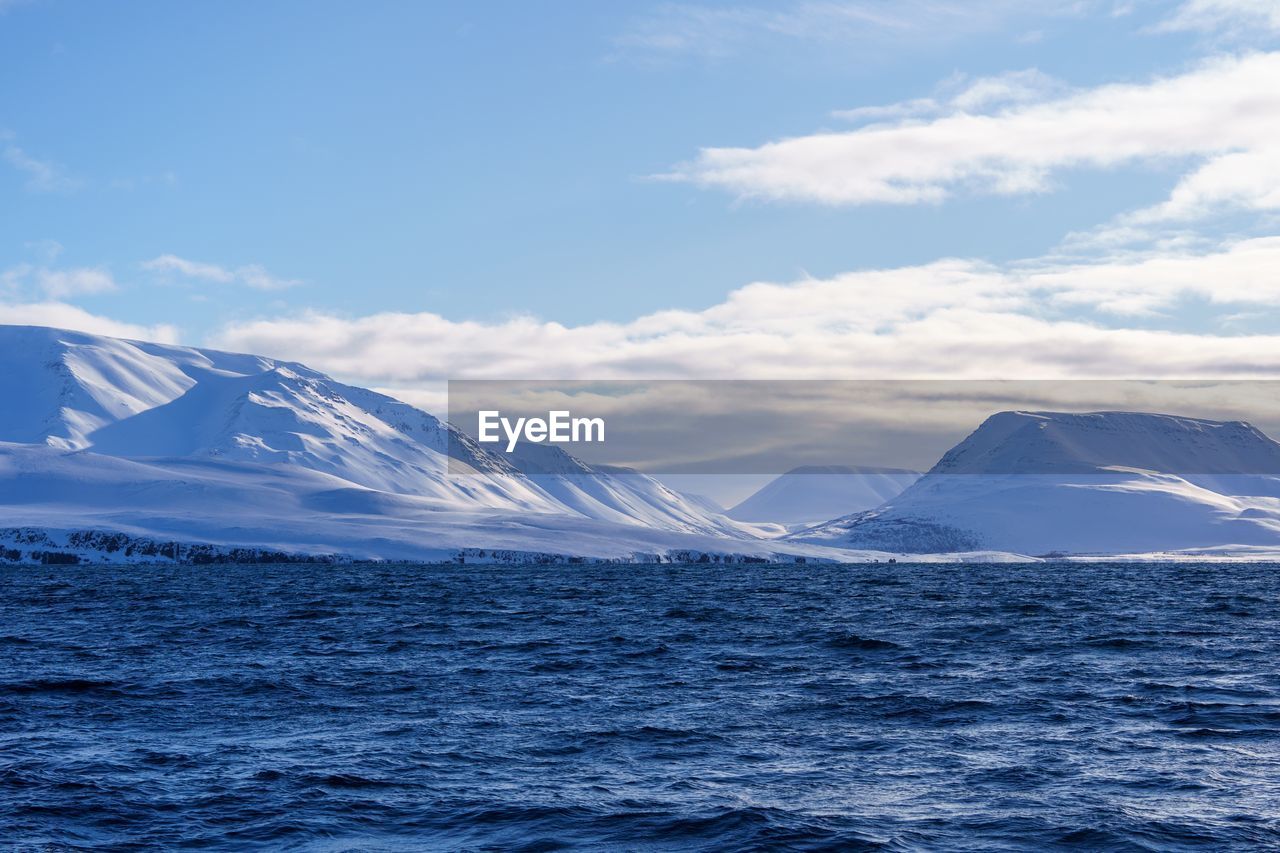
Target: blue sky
<point>507,187</point>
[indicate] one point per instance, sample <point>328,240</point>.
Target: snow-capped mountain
<point>74,391</point>
<point>106,441</point>
<point>178,441</point>
<point>1101,482</point>
<point>814,493</point>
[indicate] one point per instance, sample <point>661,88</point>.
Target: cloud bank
<point>1179,308</point>
<point>63,316</point>
<point>1224,107</point>
<point>949,319</point>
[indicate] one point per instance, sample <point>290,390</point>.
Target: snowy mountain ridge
<point>154,449</point>
<point>97,428</point>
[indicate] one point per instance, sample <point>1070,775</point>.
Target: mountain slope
<point>810,494</point>
<point>251,421</point>
<point>619,494</point>
<point>177,444</point>
<point>290,509</point>
<point>136,400</point>
<point>1103,482</point>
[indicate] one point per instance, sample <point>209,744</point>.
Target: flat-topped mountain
<point>1061,442</point>
<point>1087,483</point>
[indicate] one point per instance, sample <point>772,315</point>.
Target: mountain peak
<point>1099,483</point>
<point>1032,442</point>
<point>170,416</point>
<point>813,493</point>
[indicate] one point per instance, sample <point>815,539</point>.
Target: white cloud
<point>1012,87</point>
<point>962,94</point>
<point>63,316</point>
<point>1244,273</point>
<point>914,108</point>
<point>1234,17</point>
<point>255,276</point>
<point>1224,106</point>
<point>250,275</point>
<point>952,318</point>
<point>1247,180</point>
<point>76,281</point>
<point>190,269</point>
<point>57,283</point>
<point>43,176</point>
<point>1240,181</point>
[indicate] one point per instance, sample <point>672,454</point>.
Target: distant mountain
<point>810,494</point>
<point>1098,483</point>
<point>1075,443</point>
<point>212,446</point>
<point>611,493</point>
<point>121,450</point>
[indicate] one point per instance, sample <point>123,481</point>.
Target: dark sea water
<point>1100,707</point>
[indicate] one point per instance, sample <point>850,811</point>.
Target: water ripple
<point>1099,707</point>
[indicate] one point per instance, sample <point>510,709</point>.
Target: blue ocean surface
<point>409,707</point>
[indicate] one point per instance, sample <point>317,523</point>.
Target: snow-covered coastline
<point>122,451</point>
<point>225,451</point>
